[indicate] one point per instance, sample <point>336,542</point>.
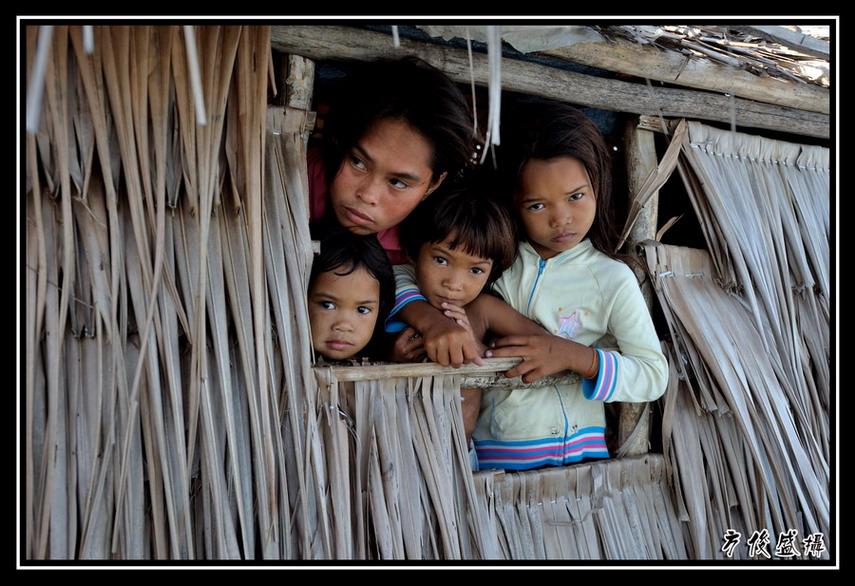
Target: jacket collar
<point>528,250</point>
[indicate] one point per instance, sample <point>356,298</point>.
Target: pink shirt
<point>318,200</point>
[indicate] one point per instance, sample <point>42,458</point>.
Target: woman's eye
<point>440,260</point>
<point>535,206</point>
<point>357,162</point>
<point>576,196</point>
<point>476,271</point>
<point>398,184</point>
<point>327,304</point>
<point>363,310</point>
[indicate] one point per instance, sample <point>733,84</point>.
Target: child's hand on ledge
<point>451,344</point>
<point>408,346</point>
<point>543,355</point>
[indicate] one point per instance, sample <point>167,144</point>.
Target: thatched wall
<point>401,487</point>
<point>751,350</point>
<point>166,364</point>
<point>170,409</point>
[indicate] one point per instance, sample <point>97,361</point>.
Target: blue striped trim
<point>604,386</point>
<point>404,297</point>
<point>589,442</point>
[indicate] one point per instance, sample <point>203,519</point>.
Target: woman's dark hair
<point>478,224</point>
<point>545,130</point>
<point>406,89</point>
<point>343,252</point>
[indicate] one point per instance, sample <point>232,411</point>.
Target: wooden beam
<point>298,79</point>
<point>800,42</point>
<point>337,42</point>
<point>686,70</point>
<point>640,148</point>
<point>472,376</point>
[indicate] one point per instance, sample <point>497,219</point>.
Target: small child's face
<point>450,276</point>
<point>343,312</point>
<point>556,203</point>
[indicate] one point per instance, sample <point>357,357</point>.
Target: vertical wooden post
<point>297,77</point>
<point>640,161</point>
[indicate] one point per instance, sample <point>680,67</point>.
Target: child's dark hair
<point>406,89</point>
<point>342,252</point>
<point>545,130</point>
<point>478,224</point>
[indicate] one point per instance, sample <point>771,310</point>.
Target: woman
<point>396,131</point>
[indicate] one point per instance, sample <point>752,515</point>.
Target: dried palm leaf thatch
<point>770,201</point>
<point>157,382</point>
<point>608,510</point>
<point>745,425</point>
<point>288,258</point>
<point>740,454</point>
<point>400,486</point>
<point>171,409</point>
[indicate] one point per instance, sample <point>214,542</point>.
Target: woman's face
<point>383,177</point>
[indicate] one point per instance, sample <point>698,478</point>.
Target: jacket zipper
<point>540,267</point>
